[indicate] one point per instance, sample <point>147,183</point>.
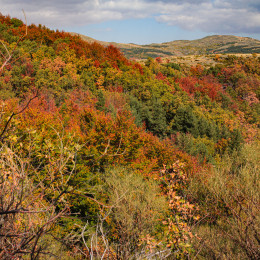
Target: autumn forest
<point>102,157</point>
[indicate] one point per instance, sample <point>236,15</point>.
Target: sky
<point>142,21</point>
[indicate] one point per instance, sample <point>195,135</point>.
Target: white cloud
<point>220,16</point>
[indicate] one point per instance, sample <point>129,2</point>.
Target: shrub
<point>134,219</point>
<point>229,198</point>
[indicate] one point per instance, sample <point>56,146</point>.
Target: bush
<point>134,219</point>
<point>229,198</point>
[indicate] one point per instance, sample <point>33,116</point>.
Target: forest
<point>102,157</point>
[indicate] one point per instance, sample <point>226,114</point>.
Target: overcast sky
<point>142,21</point>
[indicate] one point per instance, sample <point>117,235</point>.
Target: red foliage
<point>188,84</point>
<point>158,60</point>
<point>207,86</point>
<point>29,70</point>
<point>96,63</point>
<point>138,67</point>
<point>114,54</point>
<point>7,79</point>
<point>160,76</point>
<point>197,71</point>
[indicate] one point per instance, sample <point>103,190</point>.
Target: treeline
<point>106,158</point>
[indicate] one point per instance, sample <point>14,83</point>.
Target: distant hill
<point>207,45</point>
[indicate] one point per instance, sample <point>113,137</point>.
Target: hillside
<point>102,157</point>
<point>211,44</point>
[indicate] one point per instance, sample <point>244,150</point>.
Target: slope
<point>208,45</point>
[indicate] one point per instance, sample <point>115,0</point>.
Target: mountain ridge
<point>213,44</point>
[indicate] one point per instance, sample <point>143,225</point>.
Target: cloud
<point>220,16</point>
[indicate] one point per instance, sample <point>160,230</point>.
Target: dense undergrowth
<point>106,158</point>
